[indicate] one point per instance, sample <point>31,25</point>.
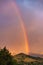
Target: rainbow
<point>23,27</point>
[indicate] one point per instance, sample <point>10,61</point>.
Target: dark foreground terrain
<point>20,59</point>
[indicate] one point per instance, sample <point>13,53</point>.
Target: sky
<point>11,31</point>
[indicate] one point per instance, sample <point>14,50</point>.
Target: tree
<point>6,58</point>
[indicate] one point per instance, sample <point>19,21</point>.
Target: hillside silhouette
<point>20,59</point>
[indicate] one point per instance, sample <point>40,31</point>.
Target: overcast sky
<point>11,34</point>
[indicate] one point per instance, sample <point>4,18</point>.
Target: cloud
<point>11,33</point>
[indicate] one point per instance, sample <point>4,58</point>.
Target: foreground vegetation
<point>21,59</point>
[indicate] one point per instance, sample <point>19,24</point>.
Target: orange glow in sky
<point>23,28</point>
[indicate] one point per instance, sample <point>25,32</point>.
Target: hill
<point>27,59</point>
<point>20,59</point>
